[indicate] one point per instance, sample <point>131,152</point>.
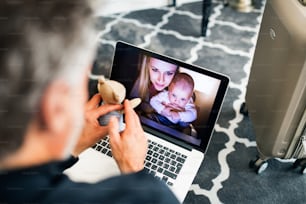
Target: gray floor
<point>224,176</point>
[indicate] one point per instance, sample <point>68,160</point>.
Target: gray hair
<point>40,40</point>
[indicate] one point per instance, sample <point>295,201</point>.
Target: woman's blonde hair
<point>144,77</point>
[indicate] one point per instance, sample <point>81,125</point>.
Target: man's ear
<point>55,108</point>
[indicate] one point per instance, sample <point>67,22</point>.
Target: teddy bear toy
<point>113,92</point>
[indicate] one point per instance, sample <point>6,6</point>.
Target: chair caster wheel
<point>259,165</point>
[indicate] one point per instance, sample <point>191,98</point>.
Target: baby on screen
<point>175,106</point>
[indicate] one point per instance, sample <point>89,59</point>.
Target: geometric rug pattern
<point>224,176</point>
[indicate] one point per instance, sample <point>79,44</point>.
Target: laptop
<point>175,151</point>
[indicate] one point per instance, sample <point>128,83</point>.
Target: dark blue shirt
<point>47,184</point>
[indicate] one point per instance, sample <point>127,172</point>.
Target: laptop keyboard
<point>162,162</point>
<point>103,146</point>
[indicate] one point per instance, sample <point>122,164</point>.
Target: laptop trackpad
<point>92,167</point>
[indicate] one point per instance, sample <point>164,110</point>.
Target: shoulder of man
<point>138,187</point>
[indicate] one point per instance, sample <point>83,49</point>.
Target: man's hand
<point>129,147</point>
<point>92,131</point>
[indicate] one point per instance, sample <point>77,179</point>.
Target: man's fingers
<point>131,118</point>
<point>93,102</point>
<point>127,105</point>
<point>130,115</point>
<point>113,129</point>
<point>103,130</point>
<point>104,109</point>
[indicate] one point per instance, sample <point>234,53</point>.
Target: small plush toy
<point>113,92</point>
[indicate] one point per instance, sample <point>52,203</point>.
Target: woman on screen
<point>154,76</point>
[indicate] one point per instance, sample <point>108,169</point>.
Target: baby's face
<point>179,95</point>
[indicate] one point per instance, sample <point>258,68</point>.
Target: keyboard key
<point>154,167</point>
<point>99,148</point>
<point>178,169</point>
<point>172,156</point>
<point>172,168</point>
<point>160,163</point>
<point>161,151</point>
<point>180,159</point>
<point>173,162</point>
<point>170,174</point>
<point>165,178</point>
<point>166,166</point>
<point>179,165</point>
<point>148,164</point>
<point>153,173</point>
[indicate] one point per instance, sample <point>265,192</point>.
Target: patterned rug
<point>225,176</point>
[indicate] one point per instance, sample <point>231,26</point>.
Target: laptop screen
<point>179,100</point>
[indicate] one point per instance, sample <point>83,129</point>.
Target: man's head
<point>181,89</point>
<point>45,46</point>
